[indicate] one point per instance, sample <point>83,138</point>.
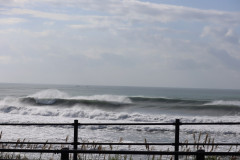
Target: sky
<point>157,43</point>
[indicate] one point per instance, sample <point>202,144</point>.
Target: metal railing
<point>200,154</point>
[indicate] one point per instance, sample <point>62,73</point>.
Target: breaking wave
<point>69,102</point>
<point>223,103</point>
<point>56,103</point>
<point>56,97</point>
<point>165,100</point>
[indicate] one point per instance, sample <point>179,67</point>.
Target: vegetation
<point>208,146</point>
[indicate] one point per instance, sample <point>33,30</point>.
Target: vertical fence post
<point>200,156</point>
<point>65,155</point>
<point>75,138</point>
<point>177,124</point>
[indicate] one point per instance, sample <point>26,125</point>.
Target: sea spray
<point>97,104</point>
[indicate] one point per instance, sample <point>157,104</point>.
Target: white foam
<point>10,106</point>
<point>81,111</point>
<point>8,100</point>
<point>110,133</point>
<point>108,98</point>
<point>10,103</point>
<point>50,94</point>
<point>222,102</point>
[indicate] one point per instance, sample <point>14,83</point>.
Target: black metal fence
<point>200,154</point>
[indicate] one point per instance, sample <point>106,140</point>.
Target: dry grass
<point>208,146</point>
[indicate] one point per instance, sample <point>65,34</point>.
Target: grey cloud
<point>118,60</point>
<point>226,59</point>
<point>221,33</point>
<point>190,64</point>
<point>137,10</point>
<point>11,21</point>
<point>232,37</point>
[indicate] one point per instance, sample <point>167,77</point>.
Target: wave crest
<point>105,97</point>
<point>223,103</point>
<point>49,94</point>
<point>165,100</point>
<point>69,102</point>
<point>56,97</point>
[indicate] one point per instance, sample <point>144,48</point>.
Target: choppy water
<point>64,103</point>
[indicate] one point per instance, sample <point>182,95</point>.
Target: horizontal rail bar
<point>180,144</point>
<point>121,152</point>
<point>110,143</point>
<point>35,124</point>
<point>88,124</point>
<point>155,152</point>
<point>127,124</point>
<point>37,143</point>
<point>210,144</point>
<point>216,123</point>
<point>91,143</point>
<point>85,124</point>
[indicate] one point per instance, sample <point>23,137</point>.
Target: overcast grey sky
<point>164,43</point>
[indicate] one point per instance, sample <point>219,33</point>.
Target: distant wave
<point>56,97</point>
<point>188,103</point>
<point>64,104</point>
<point>68,102</point>
<point>94,109</point>
<point>113,100</point>
<point>105,97</point>
<point>223,103</point>
<point>165,100</point>
<point>49,94</point>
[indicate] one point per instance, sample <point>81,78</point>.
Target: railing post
<point>65,155</point>
<point>200,156</point>
<point>75,139</point>
<point>177,124</point>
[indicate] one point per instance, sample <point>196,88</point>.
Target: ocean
<point>24,103</point>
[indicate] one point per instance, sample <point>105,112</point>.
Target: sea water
<point>35,103</point>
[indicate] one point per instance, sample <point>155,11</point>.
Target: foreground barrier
<point>200,154</point>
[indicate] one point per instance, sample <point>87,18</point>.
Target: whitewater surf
<point>25,103</point>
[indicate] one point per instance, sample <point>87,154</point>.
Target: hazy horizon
<point>149,43</point>
<point>168,87</point>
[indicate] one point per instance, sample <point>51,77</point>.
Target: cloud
<point>5,59</point>
<point>101,22</point>
<point>224,46</point>
<point>145,41</point>
<point>226,59</point>
<point>27,33</point>
<point>138,10</point>
<point>223,38</point>
<point>11,21</point>
<point>39,14</point>
<point>129,10</point>
<point>226,34</point>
